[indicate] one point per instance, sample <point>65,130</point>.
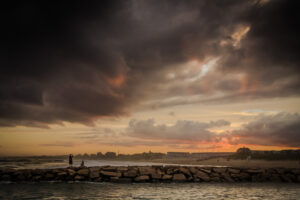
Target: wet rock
<point>257,178</point>
<point>255,171</point>
<point>122,169</point>
<point>179,177</point>
<point>203,176</point>
<point>62,174</point>
<point>71,172</point>
<point>193,170</point>
<point>111,169</point>
<point>21,177</point>
<point>142,178</point>
<point>94,173</point>
<point>215,179</point>
<point>280,170</point>
<point>287,178</point>
<point>227,177</point>
<point>37,178</point>
<point>298,179</point>
<point>275,178</point>
<point>196,180</point>
<point>156,176</point>
<point>49,176</point>
<point>296,171</point>
<point>241,176</point>
<point>130,174</point>
<point>205,170</point>
<point>185,171</point>
<point>234,171</point>
<point>124,180</point>
<point>5,177</point>
<point>167,177</point>
<point>219,169</point>
<point>78,178</point>
<point>83,172</point>
<point>147,170</point>
<point>109,173</point>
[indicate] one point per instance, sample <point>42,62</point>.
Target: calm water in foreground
<point>180,191</point>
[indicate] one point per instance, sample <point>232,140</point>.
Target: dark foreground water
<point>178,191</point>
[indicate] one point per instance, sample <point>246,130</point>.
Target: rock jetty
<point>153,174</point>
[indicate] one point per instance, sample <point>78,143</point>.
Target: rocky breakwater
<point>153,174</point>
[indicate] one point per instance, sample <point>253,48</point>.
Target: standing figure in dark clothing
<point>70,160</point>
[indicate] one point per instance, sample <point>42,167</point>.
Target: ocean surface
<point>180,191</point>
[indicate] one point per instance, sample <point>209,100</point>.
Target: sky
<point>134,76</point>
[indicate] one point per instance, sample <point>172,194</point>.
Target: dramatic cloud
<point>182,130</point>
<point>281,129</point>
<point>79,61</point>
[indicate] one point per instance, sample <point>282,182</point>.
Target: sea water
<point>180,191</point>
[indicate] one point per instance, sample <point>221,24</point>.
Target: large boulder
<point>227,177</point>
<point>234,170</point>
<point>255,171</point>
<point>78,178</point>
<point>205,170</point>
<point>62,174</point>
<point>203,176</point>
<point>94,173</point>
<point>110,168</point>
<point>185,171</point>
<point>142,178</point>
<point>122,169</point>
<point>220,169</point>
<point>111,174</point>
<point>296,171</point>
<point>71,172</point>
<point>83,172</point>
<point>147,170</point>
<point>193,170</point>
<point>49,176</point>
<point>5,177</point>
<point>241,176</point>
<point>167,177</point>
<point>131,173</point>
<point>179,177</point>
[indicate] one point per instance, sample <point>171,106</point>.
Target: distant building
<point>178,154</point>
<point>99,155</point>
<point>110,154</point>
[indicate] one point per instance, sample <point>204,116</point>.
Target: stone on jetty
<point>167,177</point>
<point>130,174</point>
<point>94,173</point>
<point>179,177</point>
<point>219,169</point>
<point>108,173</point>
<point>142,178</point>
<point>202,176</point>
<point>83,172</point>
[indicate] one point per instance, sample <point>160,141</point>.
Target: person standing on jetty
<point>70,160</point>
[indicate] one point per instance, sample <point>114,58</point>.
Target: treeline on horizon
<point>246,153</point>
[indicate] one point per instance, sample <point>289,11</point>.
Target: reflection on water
<point>149,191</point>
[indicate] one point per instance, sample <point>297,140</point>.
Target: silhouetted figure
<point>82,164</point>
<point>70,160</point>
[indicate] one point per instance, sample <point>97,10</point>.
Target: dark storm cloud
<point>77,61</point>
<point>281,129</point>
<point>182,130</point>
